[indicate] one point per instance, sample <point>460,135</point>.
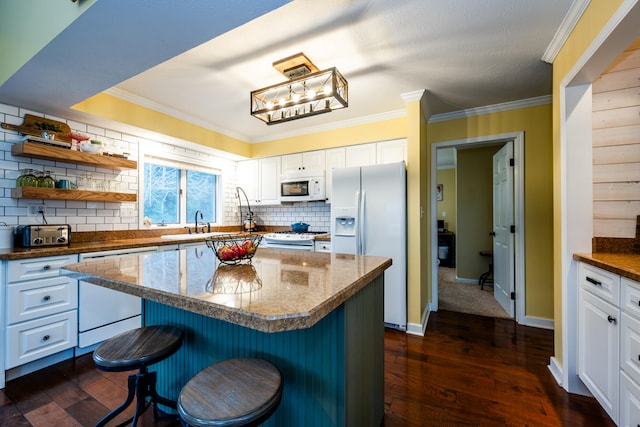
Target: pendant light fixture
<point>307,92</point>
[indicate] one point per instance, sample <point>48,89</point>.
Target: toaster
<point>27,236</point>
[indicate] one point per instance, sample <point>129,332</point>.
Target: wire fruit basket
<point>233,249</point>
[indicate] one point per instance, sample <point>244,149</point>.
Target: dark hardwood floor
<point>466,371</point>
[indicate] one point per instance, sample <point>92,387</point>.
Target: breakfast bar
<point>318,317</point>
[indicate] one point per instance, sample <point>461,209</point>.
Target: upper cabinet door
<point>360,155</point>
<point>392,151</point>
<point>311,163</point>
<point>334,159</point>
<point>260,180</point>
<point>269,181</point>
<point>248,179</point>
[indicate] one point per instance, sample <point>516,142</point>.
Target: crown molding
<point>416,95</point>
<point>163,109</point>
<point>495,108</point>
<point>336,125</point>
<point>567,25</point>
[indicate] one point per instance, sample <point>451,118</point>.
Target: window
<point>173,194</point>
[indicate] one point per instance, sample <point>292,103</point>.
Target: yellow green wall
<point>370,132</point>
<point>538,204</point>
<point>475,215</point>
<point>594,19</point>
<point>535,121</point>
<point>110,107</point>
<point>18,42</point>
<point>447,177</point>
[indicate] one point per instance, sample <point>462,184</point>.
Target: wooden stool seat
<point>137,349</point>
<point>234,392</point>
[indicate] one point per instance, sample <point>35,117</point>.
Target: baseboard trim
<point>538,322</point>
<point>420,329</point>
<point>555,370</point>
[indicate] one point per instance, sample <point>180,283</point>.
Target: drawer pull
<point>48,267</point>
<point>46,338</point>
<point>594,281</point>
<point>46,298</point>
<point>611,319</point>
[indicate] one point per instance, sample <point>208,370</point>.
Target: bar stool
<point>137,349</point>
<point>486,277</point>
<point>234,392</point>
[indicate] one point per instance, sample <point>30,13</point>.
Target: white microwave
<point>302,188</point>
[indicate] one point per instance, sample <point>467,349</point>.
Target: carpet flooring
<point>466,297</point>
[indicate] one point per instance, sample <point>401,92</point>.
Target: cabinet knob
<point>46,338</point>
<point>611,319</point>
<point>46,298</point>
<point>46,267</point>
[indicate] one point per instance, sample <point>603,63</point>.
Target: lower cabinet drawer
<point>32,340</point>
<point>629,402</point>
<point>39,298</point>
<point>37,268</point>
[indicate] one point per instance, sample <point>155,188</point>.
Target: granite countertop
<point>624,264</point>
<point>279,291</point>
<point>107,241</point>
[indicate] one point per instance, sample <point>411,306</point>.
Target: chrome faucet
<point>201,217</point>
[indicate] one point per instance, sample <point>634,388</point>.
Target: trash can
<point>443,252</point>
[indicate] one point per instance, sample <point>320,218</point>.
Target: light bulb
<point>311,94</point>
<point>295,97</point>
<point>269,105</point>
<point>328,90</point>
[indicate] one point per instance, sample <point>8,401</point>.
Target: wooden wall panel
<point>614,209</point>
<point>616,146</point>
<point>616,154</point>
<point>616,136</point>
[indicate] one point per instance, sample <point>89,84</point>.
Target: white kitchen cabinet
<point>41,307</point>
<point>334,159</point>
<point>598,350</point>
<point>609,341</point>
<point>629,401</point>
<point>360,155</point>
<point>310,163</point>
<point>260,180</point>
<point>391,151</point>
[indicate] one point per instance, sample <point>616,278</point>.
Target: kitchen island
<point>317,316</point>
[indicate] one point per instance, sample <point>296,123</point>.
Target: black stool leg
<point>132,381</point>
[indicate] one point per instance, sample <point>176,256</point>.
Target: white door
<point>503,241</point>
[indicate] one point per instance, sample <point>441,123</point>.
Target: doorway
<point>518,193</point>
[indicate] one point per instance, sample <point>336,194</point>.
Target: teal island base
<point>333,372</point>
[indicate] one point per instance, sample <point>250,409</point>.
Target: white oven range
<point>290,240</point>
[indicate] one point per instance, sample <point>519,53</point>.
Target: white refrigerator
<point>369,217</point>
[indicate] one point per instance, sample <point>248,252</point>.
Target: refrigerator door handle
<point>361,232</point>
<point>357,223</point>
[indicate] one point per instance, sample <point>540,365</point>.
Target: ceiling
<point>199,63</point>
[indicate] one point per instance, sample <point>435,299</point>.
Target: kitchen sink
<point>195,236</point>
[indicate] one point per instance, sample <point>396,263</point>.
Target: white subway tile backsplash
<point>98,216</point>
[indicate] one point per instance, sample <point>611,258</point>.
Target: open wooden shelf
<point>48,152</point>
<point>61,194</point>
